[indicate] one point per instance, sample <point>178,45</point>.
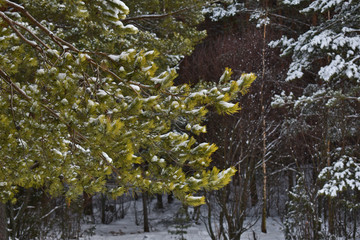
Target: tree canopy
<point>329,52</point>
<point>81,105</point>
<point>169,26</point>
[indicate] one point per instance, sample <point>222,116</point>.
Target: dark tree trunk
<point>331,220</point>
<point>87,204</point>
<point>253,190</point>
<point>159,203</point>
<point>355,216</point>
<point>3,220</point>
<point>209,218</point>
<point>103,206</point>
<point>290,180</point>
<point>145,212</point>
<point>170,198</point>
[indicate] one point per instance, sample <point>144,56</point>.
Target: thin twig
<point>156,16</point>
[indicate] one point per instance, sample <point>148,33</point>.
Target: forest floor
<point>162,222</point>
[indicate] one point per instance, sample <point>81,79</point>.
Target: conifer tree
<point>329,53</point>
<point>169,26</point>
<point>325,65</point>
<point>80,104</point>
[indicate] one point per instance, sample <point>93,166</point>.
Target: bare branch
<point>156,16</point>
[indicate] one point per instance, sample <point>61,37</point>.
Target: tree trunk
<point>170,198</point>
<point>331,216</point>
<point>136,215</point>
<point>145,212</point>
<point>330,202</point>
<point>264,207</point>
<point>209,218</point>
<point>290,180</point>
<point>253,190</point>
<point>3,220</point>
<point>159,203</point>
<point>103,206</point>
<point>87,204</point>
<point>355,216</point>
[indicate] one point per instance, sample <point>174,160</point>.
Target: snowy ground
<point>162,221</point>
<point>129,231</point>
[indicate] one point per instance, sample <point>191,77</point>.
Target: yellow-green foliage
<point>79,110</point>
<point>173,33</point>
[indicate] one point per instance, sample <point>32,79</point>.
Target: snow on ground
<point>161,221</point>
<point>122,231</point>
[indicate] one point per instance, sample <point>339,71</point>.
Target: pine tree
<point>325,65</point>
<point>182,223</point>
<point>168,26</point>
<point>302,220</point>
<point>81,104</point>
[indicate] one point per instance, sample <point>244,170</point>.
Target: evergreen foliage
<point>343,175</point>
<point>168,26</point>
<point>182,222</point>
<point>81,104</point>
<point>331,51</point>
<point>325,66</point>
<point>302,220</point>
